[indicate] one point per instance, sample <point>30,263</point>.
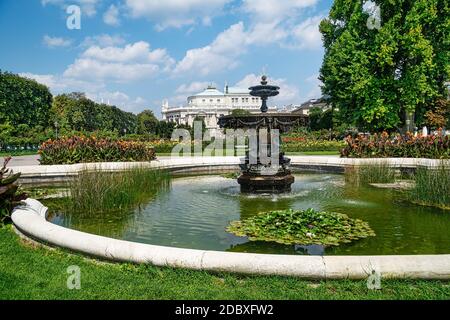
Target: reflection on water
<point>194,212</point>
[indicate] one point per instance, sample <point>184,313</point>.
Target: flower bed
<point>397,146</point>
<point>301,144</point>
<point>79,149</point>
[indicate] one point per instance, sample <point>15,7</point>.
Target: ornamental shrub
<point>398,146</point>
<point>80,149</point>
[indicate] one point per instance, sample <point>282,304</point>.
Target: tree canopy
<point>23,101</point>
<point>74,111</point>
<point>375,76</point>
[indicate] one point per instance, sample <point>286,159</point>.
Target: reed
<point>432,187</point>
<point>377,172</point>
<point>97,191</point>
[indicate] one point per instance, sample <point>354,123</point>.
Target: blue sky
<point>135,53</point>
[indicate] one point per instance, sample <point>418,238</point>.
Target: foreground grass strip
<point>28,272</point>
<point>302,227</point>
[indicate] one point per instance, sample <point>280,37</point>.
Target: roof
<point>210,91</point>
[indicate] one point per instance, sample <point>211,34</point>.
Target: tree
<point>375,76</point>
<point>76,112</point>
<point>439,117</point>
<point>23,101</point>
<point>147,122</point>
<point>319,119</point>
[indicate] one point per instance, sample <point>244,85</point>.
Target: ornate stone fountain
<point>264,168</point>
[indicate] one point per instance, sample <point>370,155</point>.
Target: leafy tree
<point>439,116</point>
<point>23,101</point>
<point>376,76</point>
<point>75,112</point>
<point>319,119</point>
<point>147,122</point>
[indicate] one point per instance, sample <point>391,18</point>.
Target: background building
<point>211,104</point>
<point>306,107</point>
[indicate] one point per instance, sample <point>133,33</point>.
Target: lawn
<point>18,153</point>
<point>30,272</point>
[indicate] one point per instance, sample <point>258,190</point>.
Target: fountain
<point>264,169</point>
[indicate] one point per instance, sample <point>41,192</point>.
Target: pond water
<point>193,212</point>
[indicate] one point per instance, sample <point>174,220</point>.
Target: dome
<point>210,91</point>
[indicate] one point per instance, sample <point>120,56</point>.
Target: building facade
<point>211,104</point>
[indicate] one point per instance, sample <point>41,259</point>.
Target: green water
<point>194,212</point>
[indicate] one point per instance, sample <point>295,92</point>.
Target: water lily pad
<point>304,227</point>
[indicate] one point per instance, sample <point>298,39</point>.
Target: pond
<point>194,211</point>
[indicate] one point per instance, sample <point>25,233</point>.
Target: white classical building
<point>211,104</point>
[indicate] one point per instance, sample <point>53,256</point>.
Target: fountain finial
<point>264,80</point>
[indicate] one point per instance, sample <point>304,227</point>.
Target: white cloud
<point>193,87</point>
<point>88,7</point>
<point>176,13</point>
<point>103,40</point>
<point>275,10</point>
<point>306,35</point>
<point>59,84</point>
<point>222,53</point>
<point>288,93</point>
<point>54,42</point>
<point>119,99</point>
<point>111,16</point>
<point>93,90</point>
<point>316,84</point>
<point>120,64</point>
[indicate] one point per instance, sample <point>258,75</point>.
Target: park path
<point>30,160</point>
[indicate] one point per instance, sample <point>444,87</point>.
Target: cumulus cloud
<point>316,86</point>
<point>275,10</point>
<point>193,87</point>
<point>176,13</point>
<point>54,42</point>
<point>103,40</point>
<point>306,35</point>
<point>111,16</point>
<point>121,64</point>
<point>288,93</point>
<point>58,84</point>
<point>119,99</point>
<point>88,7</point>
<point>222,53</point>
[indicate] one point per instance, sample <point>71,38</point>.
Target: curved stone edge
<point>30,220</point>
<point>38,171</point>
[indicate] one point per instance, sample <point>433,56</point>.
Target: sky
<point>136,53</point>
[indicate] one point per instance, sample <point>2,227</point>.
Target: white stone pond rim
<point>30,220</point>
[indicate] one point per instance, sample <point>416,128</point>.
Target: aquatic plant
<point>432,187</point>
<point>97,191</point>
<point>376,172</point>
<point>10,195</point>
<point>304,227</point>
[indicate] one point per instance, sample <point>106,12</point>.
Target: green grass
<point>98,191</point>
<point>432,187</point>
<point>27,272</point>
<point>17,153</point>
